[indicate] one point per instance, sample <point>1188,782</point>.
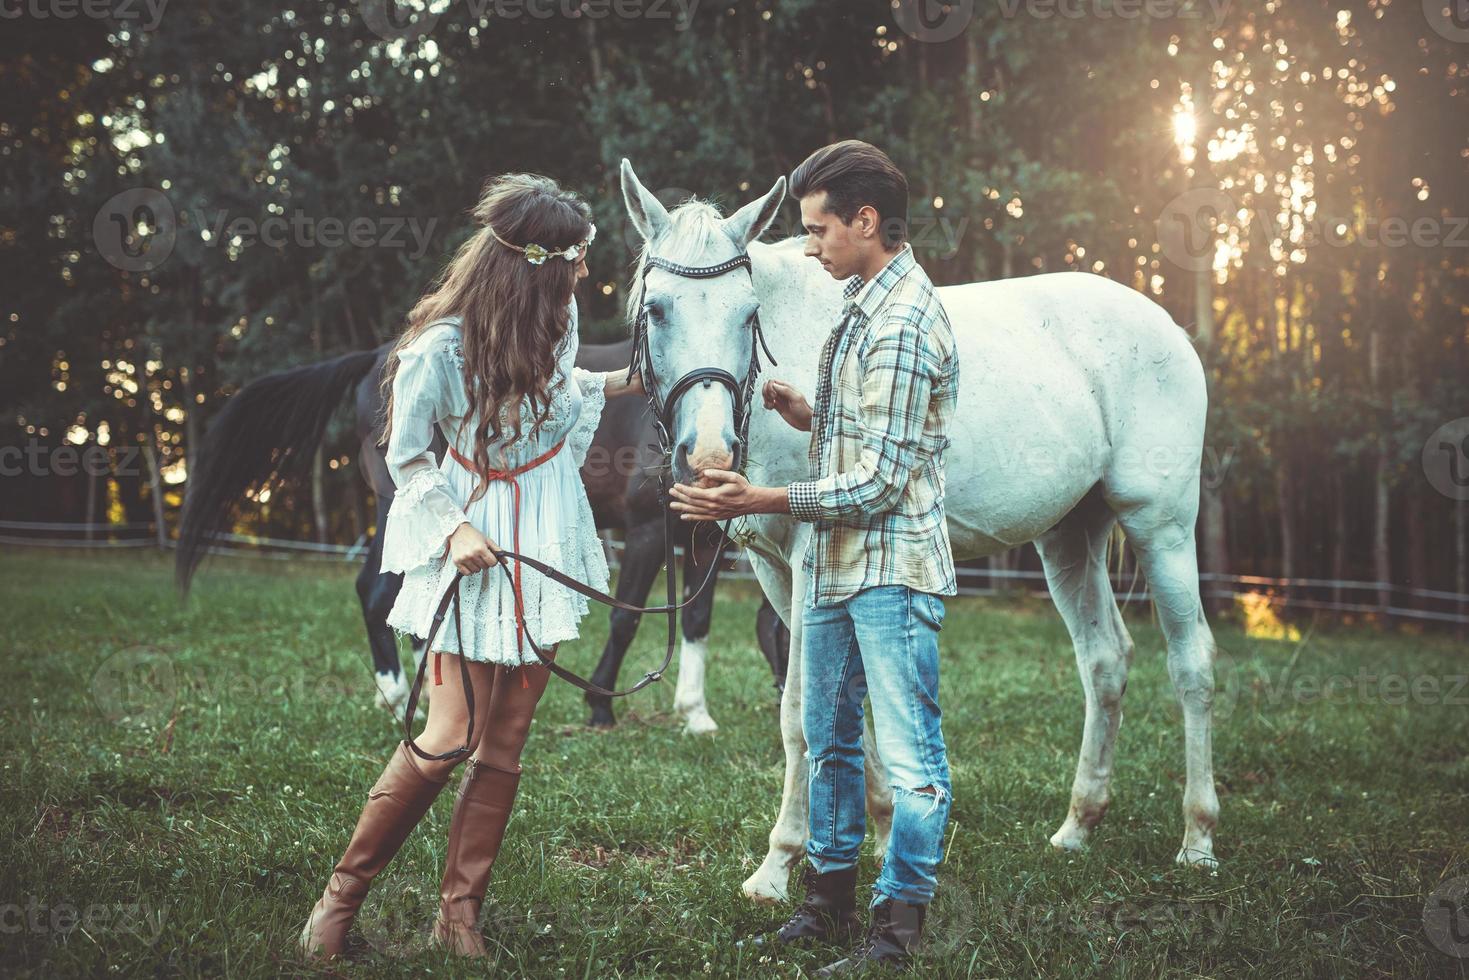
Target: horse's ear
<point>648,214</point>
<point>747,224</point>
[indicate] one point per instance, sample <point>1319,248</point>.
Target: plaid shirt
<point>888,383</point>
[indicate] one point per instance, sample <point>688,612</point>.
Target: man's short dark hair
<point>855,174</point>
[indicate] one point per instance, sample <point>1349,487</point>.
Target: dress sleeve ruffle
<point>593,399</point>
<point>419,523</point>
<point>424,511</point>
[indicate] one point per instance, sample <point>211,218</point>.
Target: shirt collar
<point>866,297</point>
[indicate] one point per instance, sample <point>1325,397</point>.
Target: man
<point>879,561</point>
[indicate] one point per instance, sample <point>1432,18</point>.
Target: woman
<point>488,357</point>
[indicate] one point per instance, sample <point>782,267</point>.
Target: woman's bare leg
<point>447,711</point>
<point>512,707</point>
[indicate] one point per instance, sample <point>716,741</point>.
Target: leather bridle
<point>743,393</point>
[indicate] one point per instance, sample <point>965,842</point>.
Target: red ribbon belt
<point>509,476</point>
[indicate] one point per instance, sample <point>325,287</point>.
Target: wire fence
<point>1383,599</point>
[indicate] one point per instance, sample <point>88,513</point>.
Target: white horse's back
<point>1055,371</point>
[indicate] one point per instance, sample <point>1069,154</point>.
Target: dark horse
<point>271,428</point>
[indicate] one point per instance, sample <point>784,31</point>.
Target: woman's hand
<point>471,551</point>
<point>790,403</point>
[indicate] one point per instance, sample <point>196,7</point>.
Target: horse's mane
<point>693,227</point>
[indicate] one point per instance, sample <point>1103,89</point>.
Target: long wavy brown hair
<point>513,314</point>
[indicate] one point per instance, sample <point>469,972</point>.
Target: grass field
<point>178,781</point>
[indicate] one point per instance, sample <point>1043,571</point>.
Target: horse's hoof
<point>700,724</point>
<point>762,893</point>
<point>392,693</point>
<point>601,718</point>
<point>1197,858</point>
<point>768,885</point>
<point>1069,838</point>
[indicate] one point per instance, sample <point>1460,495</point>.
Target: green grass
<point>183,778</point>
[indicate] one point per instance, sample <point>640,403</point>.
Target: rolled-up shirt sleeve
<point>899,371</point>
<point>424,511</point>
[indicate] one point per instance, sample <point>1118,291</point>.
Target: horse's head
<point>696,323</point>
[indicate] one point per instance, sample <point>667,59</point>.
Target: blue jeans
<point>886,637</point>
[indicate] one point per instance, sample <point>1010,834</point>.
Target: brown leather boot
<point>395,804</point>
<point>481,811</point>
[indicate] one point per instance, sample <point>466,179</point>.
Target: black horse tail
<point>268,430</point>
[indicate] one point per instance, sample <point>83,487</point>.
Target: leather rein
<point>743,394</point>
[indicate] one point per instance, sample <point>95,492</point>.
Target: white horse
<point>1081,404</point>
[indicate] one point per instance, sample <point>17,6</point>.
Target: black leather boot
<point>828,914</point>
<point>891,938</point>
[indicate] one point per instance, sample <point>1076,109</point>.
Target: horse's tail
<point>268,430</point>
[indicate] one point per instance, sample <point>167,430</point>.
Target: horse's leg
<point>642,556</point>
<point>879,791</point>
<point>775,642</point>
<point>1074,554</point>
<point>688,698</point>
<point>377,594</point>
<point>770,881</point>
<point>1161,531</point>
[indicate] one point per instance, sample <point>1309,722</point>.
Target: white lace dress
<point>556,524</point>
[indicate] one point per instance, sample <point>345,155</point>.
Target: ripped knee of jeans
<point>938,793</point>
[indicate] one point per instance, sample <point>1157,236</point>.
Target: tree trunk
<point>1215,557</point>
<point>318,494</point>
<point>1381,477</point>
<point>155,490</point>
<point>318,461</point>
<point>192,438</point>
<point>1417,534</point>
<point>1285,500</point>
<point>1338,535</point>
<point>1461,553</point>
<point>89,519</point>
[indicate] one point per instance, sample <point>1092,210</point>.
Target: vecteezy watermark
<point>1047,458</point>
<point>143,14</point>
<point>1446,459</point>
<point>1190,225</point>
<point>309,231</point>
<point>1446,917</point>
<point>36,458</point>
<point>938,234</point>
<point>137,230</point>
<point>956,914</point>
<point>398,914</point>
<point>1449,19</point>
<point>396,20</point>
<point>1186,10</point>
<point>136,687</point>
<point>1275,687</point>
<point>40,917</point>
<point>139,687</point>
<point>933,21</point>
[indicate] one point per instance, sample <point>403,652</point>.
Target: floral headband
<point>536,254</point>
